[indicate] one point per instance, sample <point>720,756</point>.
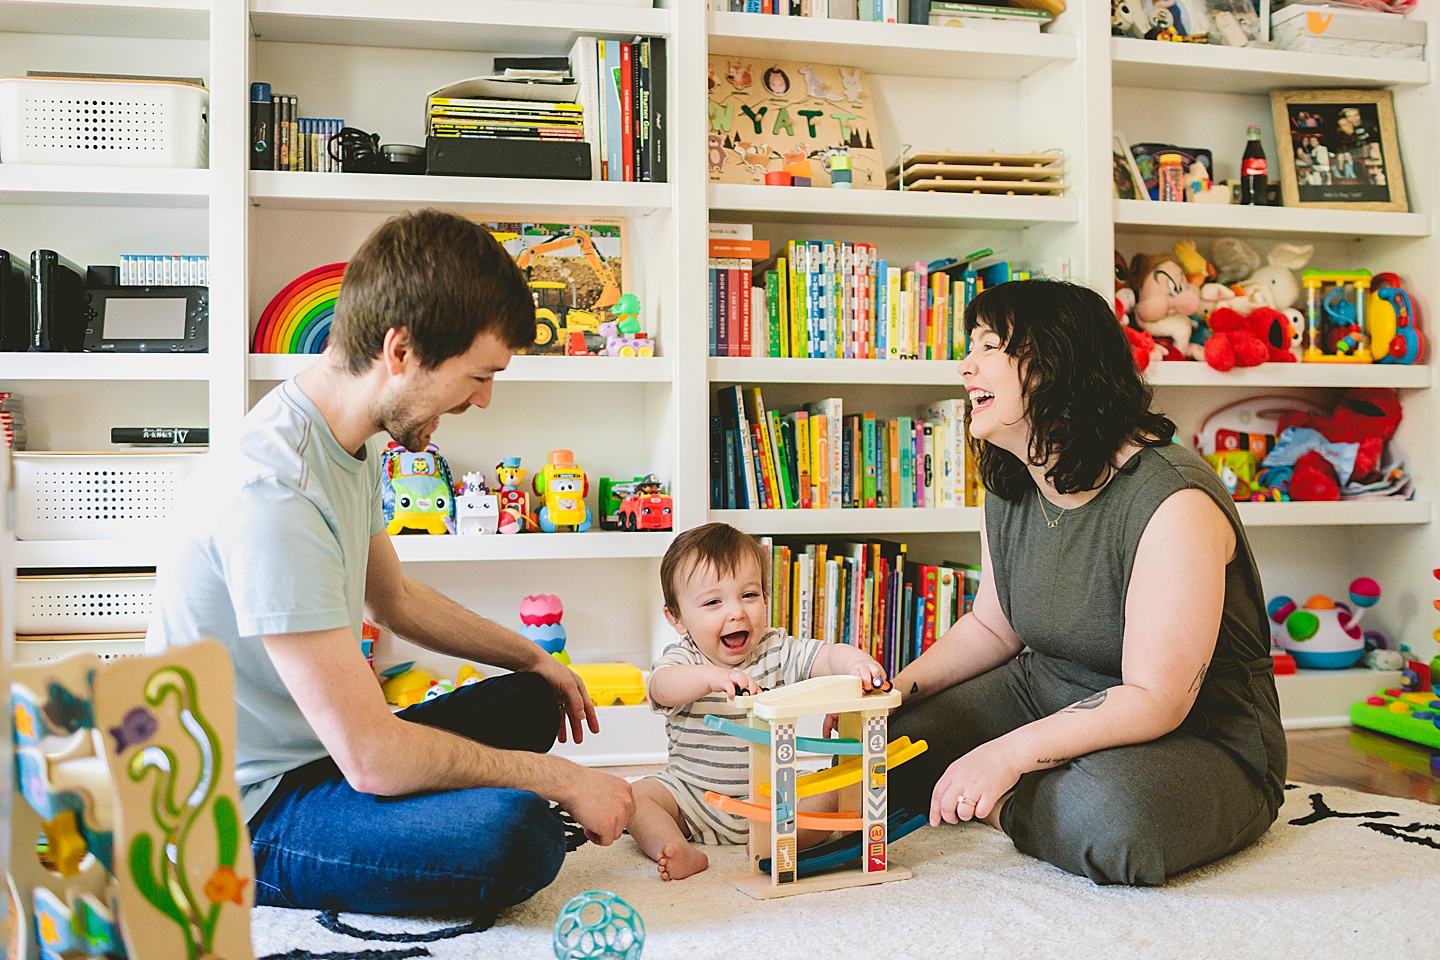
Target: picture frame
<point>1125,178</point>
<point>1339,150</point>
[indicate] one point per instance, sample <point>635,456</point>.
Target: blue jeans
<point>321,845</point>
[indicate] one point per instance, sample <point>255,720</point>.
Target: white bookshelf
<point>503,198</point>
<point>372,61</point>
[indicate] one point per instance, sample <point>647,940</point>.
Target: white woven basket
<point>109,123</point>
<point>96,496</point>
<point>107,603</point>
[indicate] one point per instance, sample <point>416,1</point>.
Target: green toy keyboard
<point>1410,716</point>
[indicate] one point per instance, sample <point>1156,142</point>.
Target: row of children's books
<point>838,300</point>
<point>871,595</point>
<point>878,11</point>
<point>281,139</point>
<point>821,458</point>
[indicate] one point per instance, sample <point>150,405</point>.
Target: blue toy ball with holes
<point>598,925</point>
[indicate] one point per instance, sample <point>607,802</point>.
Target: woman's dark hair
<point>441,277</point>
<point>1083,395</point>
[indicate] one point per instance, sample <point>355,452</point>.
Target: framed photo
<point>1128,184</point>
<point>1343,152</point>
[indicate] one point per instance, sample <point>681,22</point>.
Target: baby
<point>717,599</point>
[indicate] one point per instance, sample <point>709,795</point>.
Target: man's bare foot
<point>680,860</point>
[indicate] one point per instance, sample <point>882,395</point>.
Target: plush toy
<point>1164,299</point>
<point>1232,343</point>
<point>1234,260</point>
<point>1198,270</point>
<point>1142,346</point>
<point>1275,284</point>
<point>1366,417</point>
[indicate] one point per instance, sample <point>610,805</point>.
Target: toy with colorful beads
<point>540,621</point>
<point>1324,633</point>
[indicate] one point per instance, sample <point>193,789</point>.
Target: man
<point>281,550</point>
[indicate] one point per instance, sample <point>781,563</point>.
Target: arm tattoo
<point>1054,761</point>
<point>1199,677</point>
<point>1089,703</point>
<point>914,688</point>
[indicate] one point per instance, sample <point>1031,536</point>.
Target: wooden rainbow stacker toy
<point>778,868</point>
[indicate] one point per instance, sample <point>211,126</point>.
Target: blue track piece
<point>848,748</point>
<point>847,848</point>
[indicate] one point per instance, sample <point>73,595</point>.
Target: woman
<point>1139,734</point>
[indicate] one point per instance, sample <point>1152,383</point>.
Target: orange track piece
<point>849,820</point>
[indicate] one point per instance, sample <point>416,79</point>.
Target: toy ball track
<point>298,318</point>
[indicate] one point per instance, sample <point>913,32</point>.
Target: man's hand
<point>599,802</point>
<point>570,693</point>
<point>733,682</point>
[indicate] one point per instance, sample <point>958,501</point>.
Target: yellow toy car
<point>563,485</point>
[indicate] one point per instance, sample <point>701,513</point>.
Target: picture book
<point>587,260</point>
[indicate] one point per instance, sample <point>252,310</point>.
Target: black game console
<point>14,304</point>
<point>57,304</point>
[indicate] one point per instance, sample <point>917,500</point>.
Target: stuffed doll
<point>1164,300</point>
<point>1142,346</point>
<point>1367,417</point>
<point>1238,340</point>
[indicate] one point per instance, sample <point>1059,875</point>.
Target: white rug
<point>1341,874</point>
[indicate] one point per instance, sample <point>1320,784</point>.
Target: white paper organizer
<point>28,652</point>
<point>95,603</point>
<point>96,496</point>
<point>110,123</point>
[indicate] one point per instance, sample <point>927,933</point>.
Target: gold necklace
<point>1048,522</point>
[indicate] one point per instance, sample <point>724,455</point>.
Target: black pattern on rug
<point>331,921</point>
<point>1320,810</point>
<point>1408,833</point>
<point>362,955</point>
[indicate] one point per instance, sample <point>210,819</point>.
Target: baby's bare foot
<point>680,860</point>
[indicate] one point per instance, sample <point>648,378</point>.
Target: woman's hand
<point>972,786</point>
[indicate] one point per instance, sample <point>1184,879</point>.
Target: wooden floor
<point>1337,757</point>
<point>1362,760</point>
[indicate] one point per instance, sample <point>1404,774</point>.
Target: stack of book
<point>12,421</point>
<point>870,594</point>
<point>987,16</point>
<point>631,104</point>
<point>842,300</point>
<point>822,458</point>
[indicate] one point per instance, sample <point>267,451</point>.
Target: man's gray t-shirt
<point>271,538</point>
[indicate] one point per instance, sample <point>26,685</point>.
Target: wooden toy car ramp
<point>850,748</point>
<point>845,820</point>
<point>842,694</point>
<point>844,774</point>
<point>844,849</point>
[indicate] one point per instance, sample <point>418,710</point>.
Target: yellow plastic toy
<point>407,688</point>
<point>563,485</point>
<point>611,684</point>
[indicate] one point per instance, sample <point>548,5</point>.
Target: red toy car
<point>641,512</point>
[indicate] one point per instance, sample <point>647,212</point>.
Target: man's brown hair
<point>716,545</point>
<point>439,276</point>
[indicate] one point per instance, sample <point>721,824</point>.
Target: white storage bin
<point>106,648</point>
<point>110,123</point>
<point>96,496</point>
<point>99,603</point>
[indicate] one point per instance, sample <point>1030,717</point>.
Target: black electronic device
<point>14,304</point>
<point>482,157</point>
<point>147,319</point>
<point>57,306</point>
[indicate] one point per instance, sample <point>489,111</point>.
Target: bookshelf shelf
<point>1356,512</point>
<point>535,28</point>
<point>103,186</point>
<point>890,48</point>
<point>1185,66</point>
<point>283,366</point>
<point>1279,222</point>
<point>1273,375</point>
<point>161,19</point>
<point>886,207</point>
<point>592,545</point>
<point>103,366</point>
<point>392,193</point>
<point>775,370</point>
<point>872,522</point>
<point>1322,698</point>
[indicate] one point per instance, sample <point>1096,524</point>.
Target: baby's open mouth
<point>735,641</point>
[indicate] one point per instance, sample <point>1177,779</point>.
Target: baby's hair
<point>716,545</point>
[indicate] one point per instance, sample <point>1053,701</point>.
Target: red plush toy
<point>1366,416</point>
<point>1238,340</point>
<point>1142,345</point>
